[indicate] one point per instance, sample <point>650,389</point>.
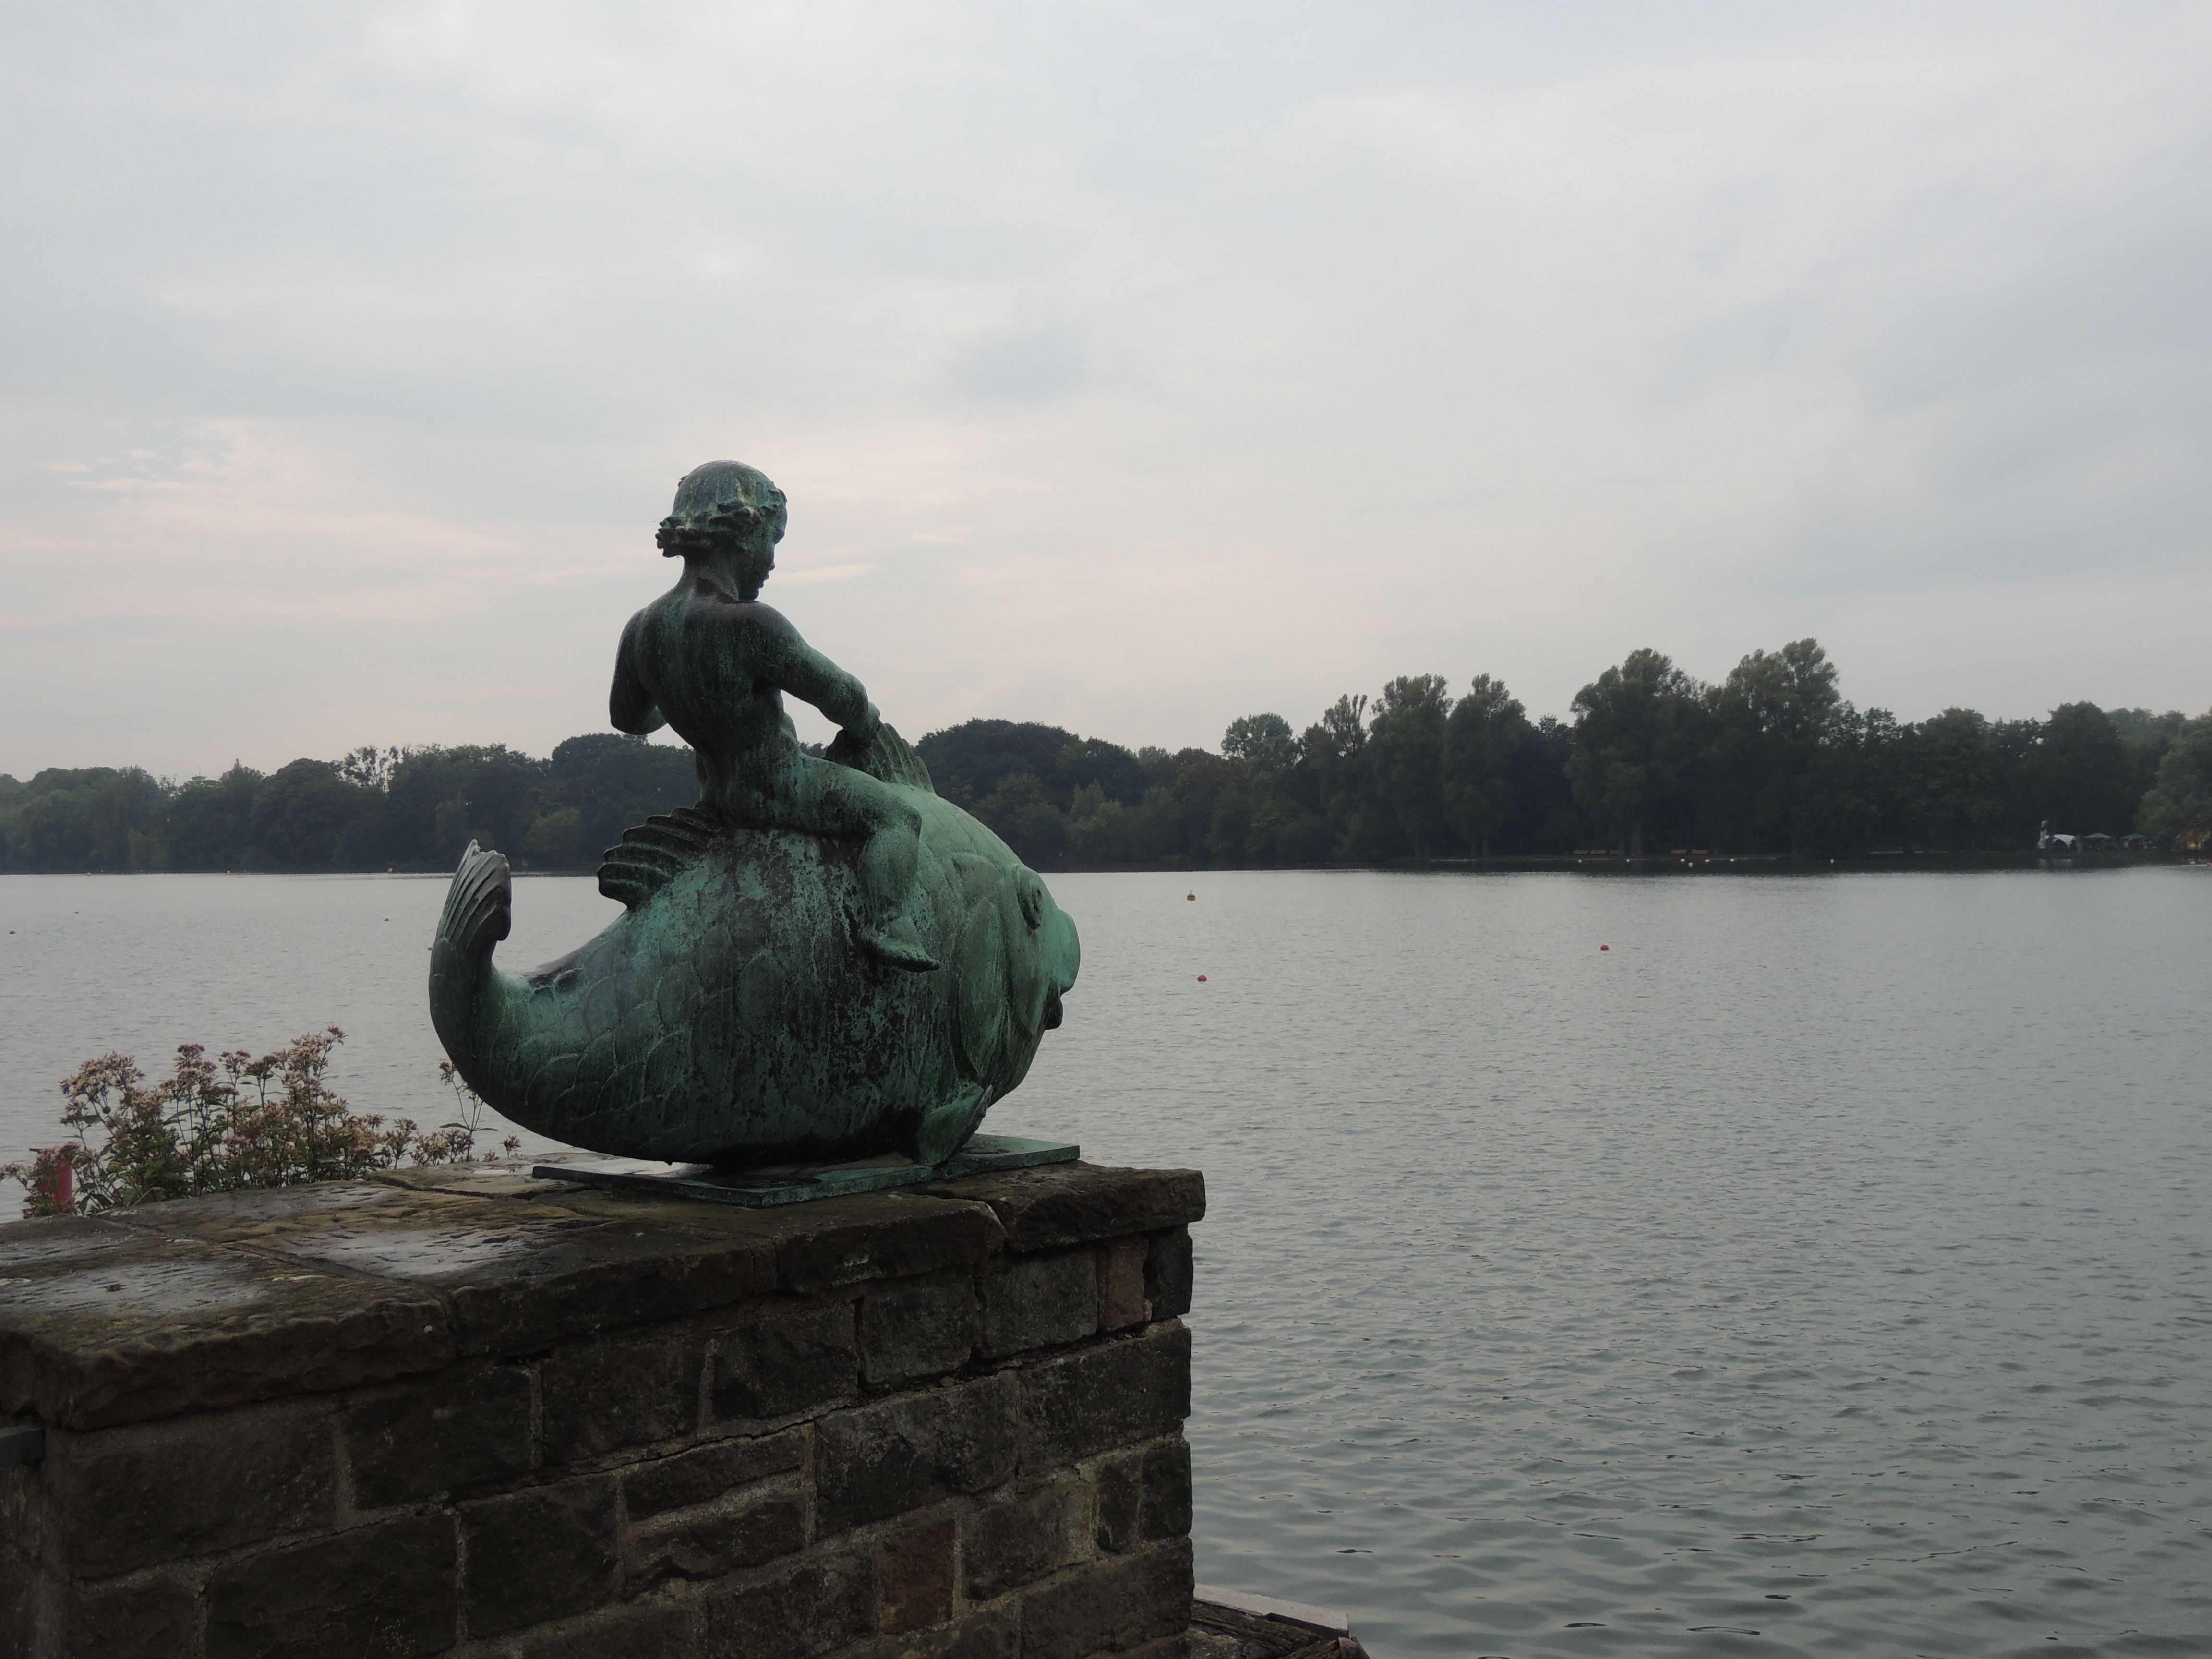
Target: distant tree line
<point>373,809</point>
<point>1771,759</point>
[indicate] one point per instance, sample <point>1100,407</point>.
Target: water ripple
<point>1822,1270</point>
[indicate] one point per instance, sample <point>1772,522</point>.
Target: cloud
<point>1033,366</point>
<point>1132,367</point>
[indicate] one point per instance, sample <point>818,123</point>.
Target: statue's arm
<point>812,678</point>
<point>631,707</point>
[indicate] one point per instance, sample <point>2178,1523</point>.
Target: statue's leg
<point>841,802</point>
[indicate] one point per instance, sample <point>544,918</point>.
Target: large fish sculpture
<point>824,959</point>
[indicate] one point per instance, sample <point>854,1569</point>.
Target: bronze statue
<point>821,959</point>
<point>709,659</point>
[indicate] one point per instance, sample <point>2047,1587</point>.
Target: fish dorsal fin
<point>886,755</point>
<point>657,851</point>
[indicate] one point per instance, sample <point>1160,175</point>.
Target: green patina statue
<point>820,960</point>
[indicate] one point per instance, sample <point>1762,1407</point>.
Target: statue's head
<point>726,508</point>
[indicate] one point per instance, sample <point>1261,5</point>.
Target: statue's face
<point>754,558</point>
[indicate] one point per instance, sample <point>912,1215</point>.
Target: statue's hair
<point>719,504</point>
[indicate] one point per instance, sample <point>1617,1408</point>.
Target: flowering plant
<point>223,1125</point>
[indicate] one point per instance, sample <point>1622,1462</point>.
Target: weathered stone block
<point>103,1324</point>
<point>148,1616</point>
<point>981,1634</point>
<point>519,1275</point>
<point>386,1589</point>
<point>540,1554</point>
<point>453,1430</point>
<point>786,1357</point>
<point>645,1629</point>
<point>1040,1302</point>
<point>258,1217</point>
<point>153,1492</point>
<point>710,1542</point>
<point>1169,1267</point>
<point>599,1279</point>
<point>990,1633</point>
<point>1064,1204</point>
<point>1116,1516</point>
<point>918,1330</point>
<point>915,1572</point>
<point>1122,1390</point>
<point>1144,1497</point>
<point>912,1451</point>
<point>1110,1609</point>
<point>23,1545</point>
<point>1017,1536</point>
<point>19,1580</point>
<point>810,1247</point>
<point>880,1234</point>
<point>627,1390</point>
<point>824,1603</point>
<point>1167,1510</point>
<point>1121,1299</point>
<point>707,1472</point>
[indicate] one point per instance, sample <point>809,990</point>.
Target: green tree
<point>1846,802</point>
<point>2145,737</point>
<point>1954,782</point>
<point>1331,752</point>
<point>2179,808</point>
<point>1483,738</point>
<point>1264,742</point>
<point>612,782</point>
<point>1772,717</point>
<point>300,813</point>
<point>1098,827</point>
<point>1023,816</point>
<point>1638,731</point>
<point>369,767</point>
<point>1405,749</point>
<point>2078,775</point>
<point>95,818</point>
<point>559,841</point>
<point>440,800</point>
<point>209,822</point>
<point>1153,832</point>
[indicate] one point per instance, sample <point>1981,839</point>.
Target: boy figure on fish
<point>710,660</point>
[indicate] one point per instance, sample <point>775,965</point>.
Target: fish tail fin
<point>479,910</point>
<point>479,906</point>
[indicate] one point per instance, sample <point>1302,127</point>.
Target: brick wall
<point>467,1413</point>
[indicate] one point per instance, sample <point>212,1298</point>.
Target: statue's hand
<point>863,733</point>
<point>882,754</point>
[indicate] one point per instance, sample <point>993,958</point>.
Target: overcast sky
<point>1129,366</point>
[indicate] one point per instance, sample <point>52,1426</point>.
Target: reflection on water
<point>1820,1270</point>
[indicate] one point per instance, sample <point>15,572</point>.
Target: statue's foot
<point>899,944</point>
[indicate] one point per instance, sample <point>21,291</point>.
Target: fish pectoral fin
<point>657,851</point>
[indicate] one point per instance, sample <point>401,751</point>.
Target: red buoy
<point>1201,979</point>
<point>1604,947</point>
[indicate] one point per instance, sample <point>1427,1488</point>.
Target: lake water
<point>1824,1269</point>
